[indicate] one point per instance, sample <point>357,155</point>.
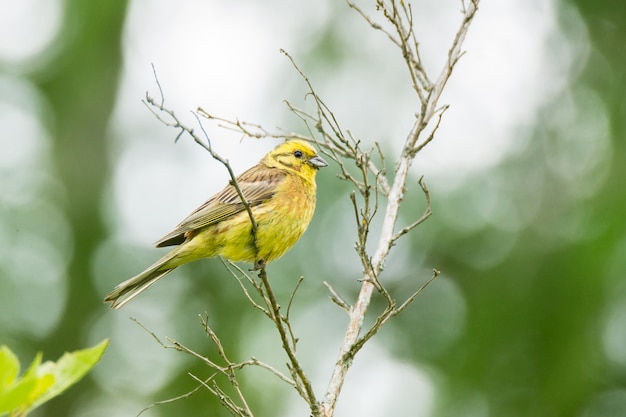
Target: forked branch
<point>399,16</point>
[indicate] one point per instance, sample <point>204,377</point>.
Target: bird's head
<point>295,156</point>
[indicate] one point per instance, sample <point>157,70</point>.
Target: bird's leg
<point>259,264</point>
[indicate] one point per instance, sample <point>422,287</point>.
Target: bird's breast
<point>284,218</point>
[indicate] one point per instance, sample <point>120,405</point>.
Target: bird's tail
<point>134,286</point>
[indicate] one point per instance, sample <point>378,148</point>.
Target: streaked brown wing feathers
<point>257,184</point>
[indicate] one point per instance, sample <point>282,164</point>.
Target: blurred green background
<point>526,175</point>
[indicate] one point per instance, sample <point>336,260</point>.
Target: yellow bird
<point>280,190</point>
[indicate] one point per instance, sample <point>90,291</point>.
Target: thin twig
<point>151,104</point>
<point>373,24</point>
<point>413,296</point>
<point>230,266</point>
<point>231,366</point>
<point>180,397</point>
<point>304,384</point>
<point>427,213</point>
<point>287,321</point>
<point>336,298</point>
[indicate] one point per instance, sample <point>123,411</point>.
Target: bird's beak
<point>317,162</point>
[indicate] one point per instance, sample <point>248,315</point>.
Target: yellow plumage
<point>280,190</point>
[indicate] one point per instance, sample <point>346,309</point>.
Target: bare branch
<point>454,54</point>
<point>373,24</point>
<point>422,219</point>
<point>431,136</point>
<point>240,275</point>
<point>303,384</point>
<point>429,97</point>
<point>180,397</point>
<point>413,296</point>
<point>276,372</point>
<point>294,339</point>
<point>336,298</point>
<point>224,399</point>
<point>157,109</point>
<point>230,369</point>
<point>227,371</point>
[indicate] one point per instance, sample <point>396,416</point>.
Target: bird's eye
<point>297,154</point>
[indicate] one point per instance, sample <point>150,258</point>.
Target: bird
<point>280,192</point>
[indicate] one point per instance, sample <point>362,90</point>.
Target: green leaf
<point>9,367</point>
<point>42,382</point>
<point>17,394</point>
<point>70,369</point>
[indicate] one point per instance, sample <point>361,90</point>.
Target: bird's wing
<point>257,184</point>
